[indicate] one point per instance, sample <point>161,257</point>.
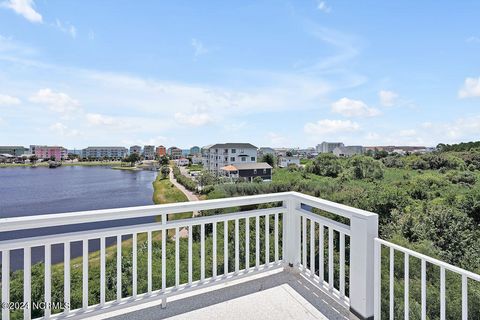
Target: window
<point>234,150</point>
<point>253,159</point>
<point>254,171</point>
<point>232,159</point>
<point>244,159</point>
<point>264,171</point>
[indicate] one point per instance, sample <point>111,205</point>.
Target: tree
<point>269,158</point>
<point>164,161</point>
<point>52,158</point>
<point>133,158</point>
<point>289,153</point>
<point>33,159</point>
<point>326,164</point>
<point>165,171</point>
<point>206,178</point>
<point>364,167</point>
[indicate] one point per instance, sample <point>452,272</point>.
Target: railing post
<point>363,230</point>
<point>291,245</point>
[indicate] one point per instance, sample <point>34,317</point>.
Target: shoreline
<point>67,164</point>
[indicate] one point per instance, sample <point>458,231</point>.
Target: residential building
<point>223,154</point>
<point>161,151</point>
<point>136,149</point>
<point>287,161</point>
<point>327,147</point>
<point>77,152</point>
<point>174,152</point>
<point>185,152</point>
<point>197,160</point>
<point>195,151</point>
<point>248,171</point>
<point>347,151</point>
<point>13,150</point>
<point>6,158</point>
<point>97,153</point>
<point>46,152</point>
<point>282,152</point>
<point>390,149</point>
<point>265,150</point>
<point>149,152</point>
<point>182,162</point>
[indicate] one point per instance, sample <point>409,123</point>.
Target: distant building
<point>391,149</point>
<point>149,152</point>
<point>77,152</point>
<point>136,149</point>
<point>47,152</point>
<point>161,151</point>
<point>282,152</point>
<point>182,162</point>
<point>197,160</point>
<point>247,171</point>
<point>286,161</point>
<point>185,152</point>
<point>347,151</point>
<point>174,152</point>
<point>113,153</point>
<point>6,158</point>
<point>223,154</point>
<point>13,150</point>
<point>327,147</point>
<point>265,150</point>
<point>195,151</point>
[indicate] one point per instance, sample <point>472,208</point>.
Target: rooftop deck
<point>274,256</point>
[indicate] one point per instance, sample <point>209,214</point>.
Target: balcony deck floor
<point>274,295</point>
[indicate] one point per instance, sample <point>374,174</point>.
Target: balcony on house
<point>273,256</point>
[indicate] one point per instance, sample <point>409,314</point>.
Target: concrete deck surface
<point>275,295</point>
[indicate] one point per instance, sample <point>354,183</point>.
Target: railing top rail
<point>429,259</point>
<point>333,207</point>
<point>59,219</point>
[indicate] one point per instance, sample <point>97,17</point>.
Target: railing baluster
<point>119,268</point>
<point>177,257</point>
<point>27,281</point>
<point>237,247</point>
<point>164,258</point>
<point>48,280</point>
<point>5,283</point>
<point>304,243</point>
<point>225,247</point>
<point>202,252</point>
<point>257,242</point>
<point>134,265</point>
<point>424,289</point>
<point>342,264</point>
<point>321,252</point>
<point>149,262</point>
<point>190,272</point>
<point>377,273</point>
<point>312,248</point>
<point>330,258</point>
<point>407,286</point>
<point>214,251</point>
<point>464,297</point>
<point>267,239</point>
<point>247,243</point>
<point>66,276</point>
<point>391,283</point>
<point>276,237</point>
<point>102,271</point>
<point>442,293</point>
<point>85,274</point>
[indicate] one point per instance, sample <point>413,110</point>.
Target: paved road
<point>190,195</point>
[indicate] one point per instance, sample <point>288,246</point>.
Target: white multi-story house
<point>223,154</point>
<point>136,149</point>
<point>286,161</point>
<point>104,152</point>
<point>327,147</point>
<point>149,152</point>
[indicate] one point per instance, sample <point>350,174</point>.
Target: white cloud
<point>66,28</point>
<point>63,130</point>
<point>327,126</point>
<point>473,39</point>
<point>322,6</point>
<point>6,100</point>
<point>199,48</point>
<point>471,88</point>
<point>97,119</point>
<point>387,98</point>
<point>24,8</point>
<point>193,119</point>
<point>56,101</point>
<point>407,133</point>
<point>353,108</point>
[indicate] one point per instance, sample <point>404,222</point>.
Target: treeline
<point>463,146</point>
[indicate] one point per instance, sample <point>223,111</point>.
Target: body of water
<point>26,191</point>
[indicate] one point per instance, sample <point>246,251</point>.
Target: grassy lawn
<point>166,192</point>
<point>195,167</point>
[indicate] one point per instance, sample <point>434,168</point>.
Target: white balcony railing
<point>332,244</point>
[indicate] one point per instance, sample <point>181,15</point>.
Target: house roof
<point>233,145</point>
<point>250,165</point>
<point>229,168</point>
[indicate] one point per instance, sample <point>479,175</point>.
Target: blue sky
<point>273,73</point>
